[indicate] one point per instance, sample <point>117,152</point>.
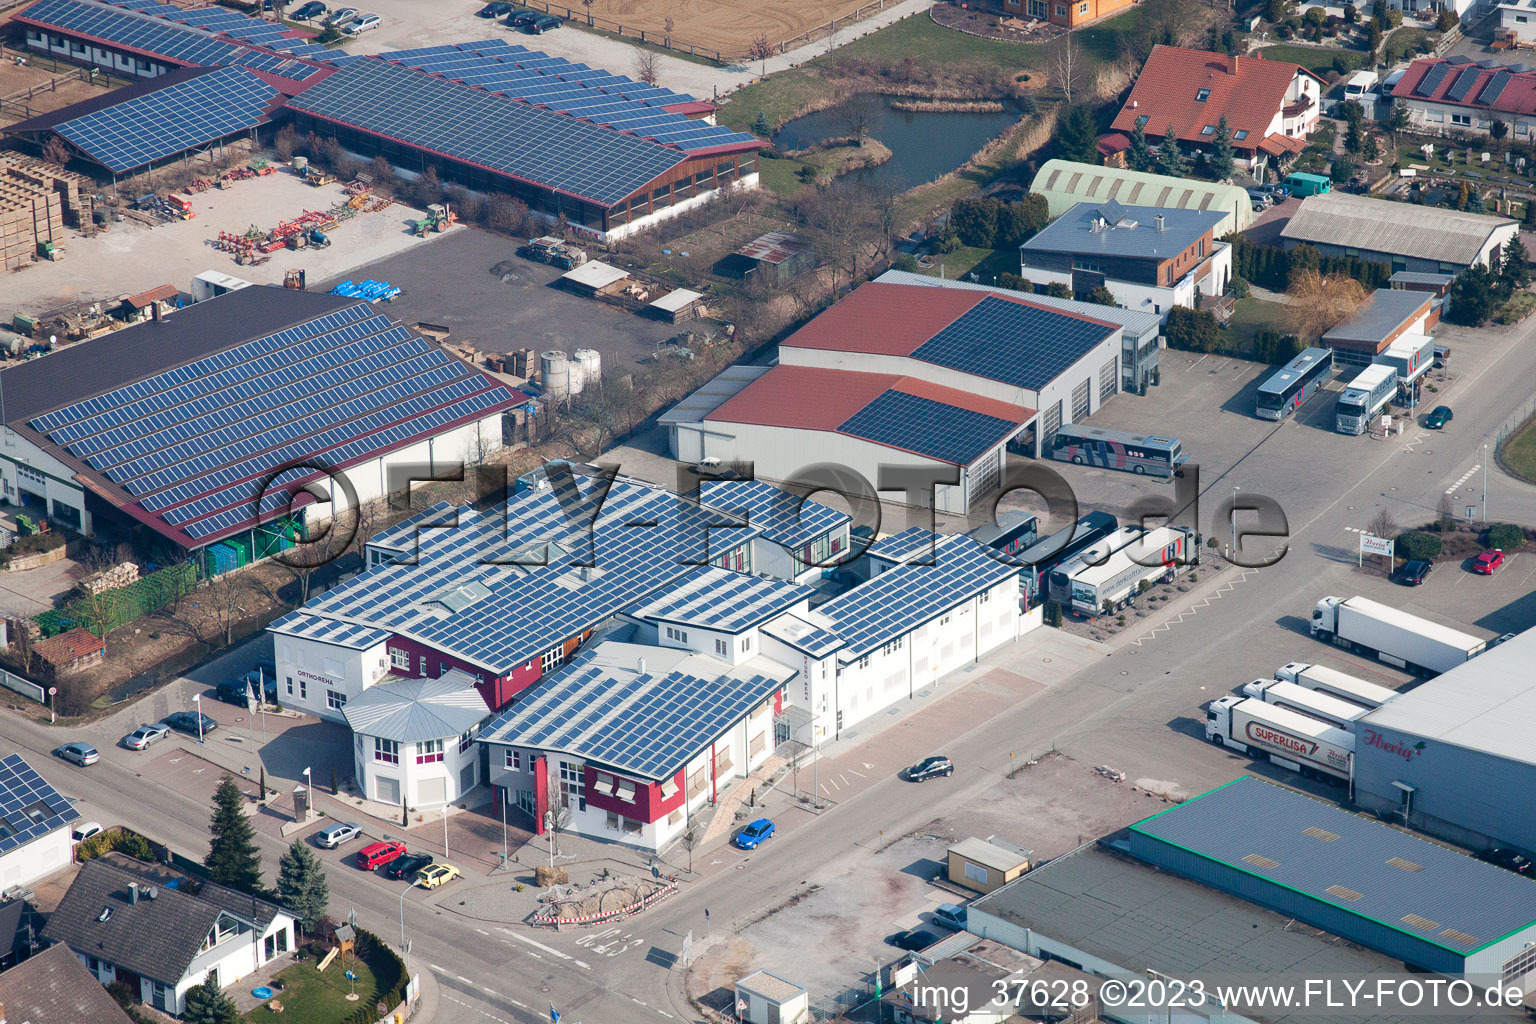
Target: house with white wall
<point>35,822</point>
<point>162,941</point>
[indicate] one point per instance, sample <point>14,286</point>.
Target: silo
<point>591,363</point>
<point>555,374</point>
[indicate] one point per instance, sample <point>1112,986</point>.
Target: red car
<point>1488,561</point>
<point>374,854</point>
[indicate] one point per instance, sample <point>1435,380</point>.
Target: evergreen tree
<point>207,1005</point>
<point>301,885</point>
<point>1515,268</point>
<point>761,128</point>
<point>1472,297</point>
<point>232,858</point>
<point>1170,160</point>
<point>1369,148</point>
<point>1463,196</point>
<point>1352,140</point>
<point>1222,153</point>
<point>1139,156</point>
<point>1530,213</point>
<point>1076,136</point>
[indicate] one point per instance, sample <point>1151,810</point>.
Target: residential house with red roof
<point>901,375</point>
<point>1270,106</point>
<point>1457,95</point>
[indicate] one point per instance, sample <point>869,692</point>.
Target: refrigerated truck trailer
<point>1363,398</point>
<point>1394,636</point>
<point>1340,714</point>
<point>1336,684</point>
<point>1113,570</point>
<point>1290,740</point>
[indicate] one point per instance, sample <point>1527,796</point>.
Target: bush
<point>1023,284</point>
<point>1418,544</point>
<point>904,261</point>
<point>1239,288</point>
<point>1446,21</point>
<point>1504,536</point>
<point>545,876</point>
<point>120,839</point>
<point>1193,330</point>
<point>1053,613</point>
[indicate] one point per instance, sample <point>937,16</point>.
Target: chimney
<point>1232,63</point>
<point>1159,219</point>
<point>133,893</point>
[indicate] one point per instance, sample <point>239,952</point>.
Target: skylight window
<point>1202,95</point>
<point>1209,129</point>
<point>1240,134</point>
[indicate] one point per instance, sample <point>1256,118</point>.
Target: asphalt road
<point>1137,708</point>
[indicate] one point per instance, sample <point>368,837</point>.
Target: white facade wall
<point>31,862</point>
<point>1519,19</point>
<point>1151,298</point>
<point>310,672</point>
<point>423,784</point>
<point>60,46</point>
<point>650,220</point>
<point>26,469</point>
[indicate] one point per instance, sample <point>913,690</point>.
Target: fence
<point>26,687</point>
<point>18,103</point>
<point>1509,428</point>
<point>104,612</point>
<point>645,36</point>
<point>832,27</point>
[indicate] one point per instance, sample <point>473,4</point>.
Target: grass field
<point>1251,316</point>
<point>309,997</point>
<point>1316,59</point>
<point>986,264</point>
<point>1518,454</point>
<point>724,25</point>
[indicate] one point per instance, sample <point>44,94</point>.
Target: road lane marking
<point>548,949</point>
<point>1464,478</point>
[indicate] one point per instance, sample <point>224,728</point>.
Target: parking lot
<point>452,283</point>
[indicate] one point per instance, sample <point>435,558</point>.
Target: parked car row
<point>1265,196</point>
<point>534,22</point>
<point>1417,570</point>
<point>391,855</point>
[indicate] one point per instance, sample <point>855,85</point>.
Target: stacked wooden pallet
<point>37,200</point>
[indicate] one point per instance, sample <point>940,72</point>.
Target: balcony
<point>1297,109</point>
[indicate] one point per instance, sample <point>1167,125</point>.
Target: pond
<point>923,145</point>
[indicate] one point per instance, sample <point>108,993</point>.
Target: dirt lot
<point>727,25</point>
<point>34,88</point>
<point>132,257</point>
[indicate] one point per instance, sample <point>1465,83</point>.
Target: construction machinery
<point>555,252</point>
<point>294,279</point>
<point>438,218</point>
<point>312,175</point>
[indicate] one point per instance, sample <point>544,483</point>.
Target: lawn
<point>1518,453</point>
<point>1251,316</point>
<point>986,264</point>
<point>781,177</point>
<point>1316,59</point>
<point>310,997</point>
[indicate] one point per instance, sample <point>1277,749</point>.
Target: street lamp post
<point>1485,481</point>
<point>197,702</point>
<point>403,891</point>
<point>1235,490</point>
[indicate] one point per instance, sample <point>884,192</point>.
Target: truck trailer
<point>1113,570</point>
<point>1315,749</point>
<point>1340,714</point>
<point>1394,636</point>
<point>1336,684</point>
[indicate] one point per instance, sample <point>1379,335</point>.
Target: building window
<point>429,752</point>
<point>512,760</point>
<point>303,689</point>
<point>1202,95</point>
<point>984,597</point>
<point>571,786</point>
<point>1519,965</point>
<point>1240,134</point>
<point>1061,12</point>
<point>290,686</point>
<point>721,647</point>
<point>1209,129</point>
<point>466,741</point>
<point>864,662</point>
<point>335,700</point>
<point>386,751</point>
<point>553,659</point>
<point>680,635</point>
<point>1082,8</point>
<point>975,872</point>
<point>892,647</point>
<point>1461,119</point>
<point>1141,122</point>
<point>1088,265</point>
<point>613,821</point>
<point>746,644</point>
<point>1039,9</point>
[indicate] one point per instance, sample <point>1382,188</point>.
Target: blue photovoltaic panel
<point>1495,87</point>
<point>29,807</point>
<point>901,599</point>
<point>903,546</point>
<point>921,425</point>
<point>480,128</point>
<point>723,600</point>
<point>785,519</point>
<point>139,30</point>
<point>166,122</point>
<point>1012,342</point>
<point>1463,85</point>
<point>1432,79</point>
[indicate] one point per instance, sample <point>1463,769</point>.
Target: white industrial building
<point>1406,236</point>
<point>226,426</point>
<point>413,740</point>
<point>902,375</point>
<point>35,822</point>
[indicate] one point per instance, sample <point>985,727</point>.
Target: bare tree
<point>56,151</point>
<point>20,630</point>
<point>366,520</point>
<point>834,36</point>
<point>646,65</point>
<point>859,115</point>
<point>760,50</point>
<point>667,27</point>
<point>1319,302</point>
<point>557,813</point>
<point>226,594</point>
<point>588,5</point>
<point>1445,512</point>
<point>101,600</point>
<point>1065,65</point>
<point>1382,525</point>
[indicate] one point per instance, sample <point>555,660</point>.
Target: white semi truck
<point>1288,739</point>
<point>1335,683</point>
<point>1394,636</point>
<point>1324,707</point>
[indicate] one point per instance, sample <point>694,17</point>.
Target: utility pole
<point>1485,481</point>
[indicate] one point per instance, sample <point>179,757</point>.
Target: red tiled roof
<point>1249,90</point>
<point>1113,142</point>
<point>69,647</point>
<point>897,319</point>
<point>813,398</point>
<point>1279,145</point>
<point>160,293</point>
<point>1518,96</point>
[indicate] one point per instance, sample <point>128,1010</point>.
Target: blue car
<point>750,837</point>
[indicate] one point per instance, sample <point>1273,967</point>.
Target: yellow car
<point>434,875</point>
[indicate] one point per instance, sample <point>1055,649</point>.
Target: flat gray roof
<point>1355,864</point>
<point>1132,231</point>
<point>1385,311</point>
<point>1487,704</point>
<point>1135,916</point>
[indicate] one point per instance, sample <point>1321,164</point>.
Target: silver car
<point>144,735</point>
<point>81,754</point>
<point>333,836</point>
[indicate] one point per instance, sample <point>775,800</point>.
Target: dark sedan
<point>407,866</point>
<point>1415,572</point>
<point>187,722</point>
<point>495,9</point>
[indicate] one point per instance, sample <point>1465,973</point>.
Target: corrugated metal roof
<point>1346,861</point>
<point>989,854</point>
<point>1487,704</point>
<point>412,710</point>
<point>1379,225</point>
<point>1386,310</point>
<point>1065,183</point>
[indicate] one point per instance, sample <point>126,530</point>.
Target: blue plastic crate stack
<point>373,291</point>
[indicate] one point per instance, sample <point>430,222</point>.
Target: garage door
<point>432,791</point>
<point>387,791</point>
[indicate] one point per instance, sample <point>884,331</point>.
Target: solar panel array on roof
<point>913,543</point>
<point>166,122</point>
<point>727,601</point>
<point>29,807</point>
<point>1432,79</point>
<point>1013,342</point>
<point>1495,87</point>
<point>194,444</point>
<point>1463,84</point>
<point>785,519</point>
<point>926,427</point>
<point>477,127</point>
<point>139,30</point>
<point>901,599</point>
